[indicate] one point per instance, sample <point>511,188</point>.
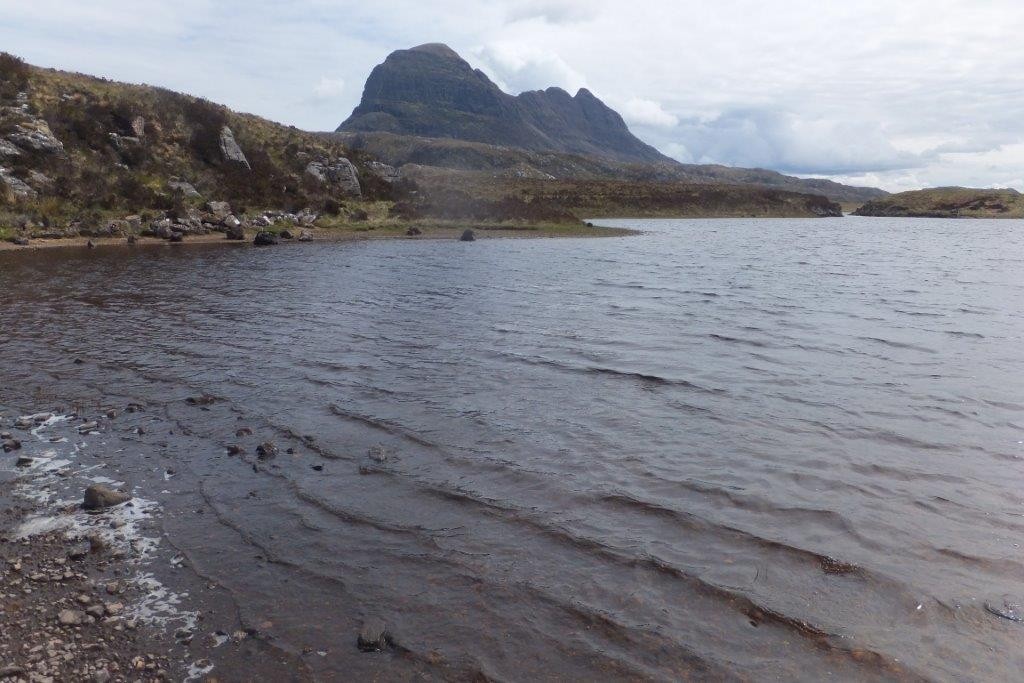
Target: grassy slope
<point>948,202</point>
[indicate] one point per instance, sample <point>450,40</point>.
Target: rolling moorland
<point>84,157</point>
<point>947,202</point>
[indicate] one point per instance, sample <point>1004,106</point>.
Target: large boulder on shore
<point>468,236</point>
<point>339,174</point>
<point>100,497</point>
<point>230,150</point>
<point>264,239</point>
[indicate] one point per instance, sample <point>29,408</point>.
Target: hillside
<point>83,156</point>
<point>948,202</point>
<point>509,162</point>
<point>431,91</point>
<point>78,153</point>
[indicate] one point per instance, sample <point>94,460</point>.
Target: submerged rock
<point>267,450</point>
<point>99,497</point>
<point>373,636</point>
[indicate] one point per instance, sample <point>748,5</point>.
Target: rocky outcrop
<point>230,150</point>
<point>947,202</point>
<point>17,187</point>
<point>339,174</point>
<point>36,136</point>
<point>186,188</point>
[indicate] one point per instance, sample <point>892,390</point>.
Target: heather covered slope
<point>431,91</point>
<point>948,202</point>
<point>77,148</point>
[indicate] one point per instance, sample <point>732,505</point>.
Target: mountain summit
<point>431,91</point>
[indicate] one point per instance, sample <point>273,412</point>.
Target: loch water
<point>721,449</point>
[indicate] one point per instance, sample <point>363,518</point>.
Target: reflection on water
<point>726,449</point>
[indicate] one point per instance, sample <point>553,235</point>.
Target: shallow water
<point>728,449</point>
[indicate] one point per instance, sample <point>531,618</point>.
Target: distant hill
<point>431,91</point>
<point>948,202</point>
<point>428,106</point>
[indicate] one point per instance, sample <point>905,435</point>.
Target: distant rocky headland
<point>948,202</point>
<point>434,145</point>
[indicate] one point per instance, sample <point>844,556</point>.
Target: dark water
<point>732,449</point>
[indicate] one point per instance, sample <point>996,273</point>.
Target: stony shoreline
<point>422,232</point>
<point>90,589</point>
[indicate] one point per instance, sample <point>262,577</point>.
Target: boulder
<point>305,236</point>
<point>235,232</point>
<point>184,187</point>
<point>220,210</point>
<point>230,150</point>
<point>11,445</point>
<point>36,137</point>
<point>99,497</point>
<point>176,236</point>
<point>267,450</point>
<point>264,239</point>
<point>338,174</point>
<point>286,235</point>
<point>413,231</point>
<point>468,236</point>
<point>388,174</point>
<point>20,241</point>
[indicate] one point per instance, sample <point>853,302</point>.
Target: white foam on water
<point>39,524</point>
<point>197,670</point>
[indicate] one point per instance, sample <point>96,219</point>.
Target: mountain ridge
<point>431,91</point>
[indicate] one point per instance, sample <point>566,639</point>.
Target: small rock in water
<point>468,236</point>
<point>244,431</point>
<point>267,450</point>
<point>1006,609</point>
<point>201,400</point>
<point>374,636</point>
<point>98,497</point>
<point>88,427</point>
<point>111,414</point>
<point>235,449</point>
<point>24,461</point>
<point>378,454</point>
<point>11,445</point>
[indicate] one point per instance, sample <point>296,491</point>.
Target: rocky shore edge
<point>82,564</point>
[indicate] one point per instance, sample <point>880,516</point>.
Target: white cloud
<point>640,112</point>
<point>329,88</point>
<point>517,68</point>
<point>554,11</point>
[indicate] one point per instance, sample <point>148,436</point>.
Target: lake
<point>727,449</point>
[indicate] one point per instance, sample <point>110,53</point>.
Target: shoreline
<point>340,234</point>
<point>103,595</point>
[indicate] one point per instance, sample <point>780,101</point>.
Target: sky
<point>898,94</point>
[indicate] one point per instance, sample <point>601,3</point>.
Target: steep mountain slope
<point>948,202</point>
<point>431,91</point>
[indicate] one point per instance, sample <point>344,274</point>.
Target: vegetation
<point>948,202</point>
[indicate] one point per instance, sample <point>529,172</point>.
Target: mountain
<point>948,202</point>
<point>430,91</point>
<point>428,106</point>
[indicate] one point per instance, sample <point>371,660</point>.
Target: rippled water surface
<point>730,449</point>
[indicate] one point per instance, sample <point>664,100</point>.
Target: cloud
<point>553,11</point>
<point>517,68</point>
<point>640,112</point>
<point>329,88</point>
